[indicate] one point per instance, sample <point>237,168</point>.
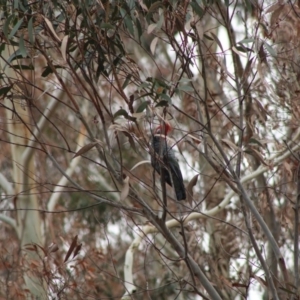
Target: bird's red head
<point>163,129</point>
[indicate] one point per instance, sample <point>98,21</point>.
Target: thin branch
<point>63,181</point>
<point>163,228</point>
<point>259,255</point>
<point>96,197</point>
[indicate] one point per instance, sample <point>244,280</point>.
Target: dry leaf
<point>72,247</point>
<point>63,47</point>
<point>288,168</point>
<point>261,110</point>
<point>256,154</point>
<point>153,45</point>
<point>125,189</point>
<point>52,248</point>
<point>273,8</point>
<point>238,52</point>
<point>151,27</point>
<point>230,144</point>
<point>85,149</point>
<point>190,186</point>
<point>140,163</point>
<point>241,285</point>
<point>194,139</point>
<point>78,247</point>
<point>119,127</point>
<point>260,280</point>
<point>50,26</point>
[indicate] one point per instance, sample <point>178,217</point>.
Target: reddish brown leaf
<point>230,144</point>
<point>72,247</point>
<point>77,250</point>
<point>52,248</point>
<point>31,248</point>
<point>256,154</point>
<point>85,149</point>
<point>190,186</point>
<point>236,284</point>
<point>260,280</point>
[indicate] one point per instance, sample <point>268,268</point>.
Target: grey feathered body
<point>169,164</point>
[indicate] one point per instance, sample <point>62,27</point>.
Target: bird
<point>167,161</point>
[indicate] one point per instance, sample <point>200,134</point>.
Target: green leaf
<point>160,82</point>
<point>139,29</point>
<point>270,50</point>
<point>31,31</point>
<point>131,5</point>
<point>208,37</point>
<point>22,48</point>
<point>15,29</point>
<point>198,10</point>
<point>241,49</point>
<point>2,47</point>
<point>22,7</point>
<point>16,4</point>
<point>166,98</point>
<point>14,56</point>
<point>217,41</point>
<point>142,107</point>
<point>246,41</point>
<point>160,22</point>
<point>127,21</point>
<point>249,6</point>
<point>162,103</point>
<point>155,6</point>
<point>5,90</point>
<point>107,26</point>
<point>48,70</point>
<point>255,141</point>
<point>121,112</point>
<point>144,85</point>
<point>128,77</point>
<point>6,25</point>
<point>185,80</point>
<point>185,88</point>
<point>22,67</point>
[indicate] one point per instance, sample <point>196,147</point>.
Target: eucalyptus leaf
<point>197,9</point>
<point>31,31</point>
<point>22,47</point>
<point>162,103</point>
<point>5,90</point>
<point>142,107</point>
<point>121,112</point>
<point>15,29</point>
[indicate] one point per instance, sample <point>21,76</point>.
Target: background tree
<point>83,87</point>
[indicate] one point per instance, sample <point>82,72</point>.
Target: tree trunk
<point>28,218</point>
